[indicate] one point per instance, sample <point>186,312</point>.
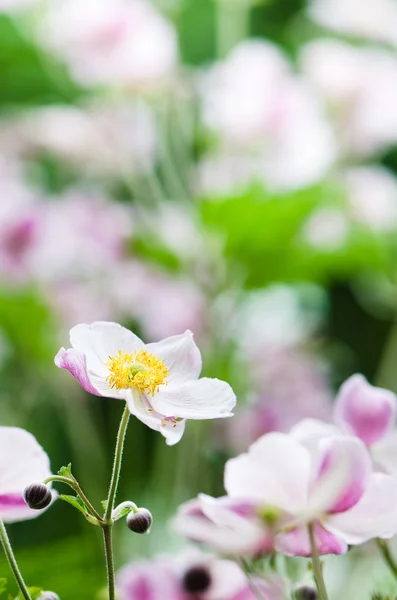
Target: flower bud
<point>140,521</point>
<point>48,596</point>
<point>37,496</point>
<point>196,580</point>
<point>305,592</point>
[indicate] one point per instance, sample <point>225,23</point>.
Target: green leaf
<point>66,471</point>
<point>75,501</point>
<point>35,592</point>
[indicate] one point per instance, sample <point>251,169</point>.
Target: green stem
<point>317,568</point>
<point>73,483</point>
<point>107,519</point>
<point>13,563</point>
<point>233,24</point>
<point>387,556</point>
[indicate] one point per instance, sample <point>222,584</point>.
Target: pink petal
<point>204,398</point>
<point>276,471</point>
<point>169,428</point>
<point>180,355</point>
<point>297,543</point>
<point>155,580</point>
<point>343,474</point>
<point>365,411</point>
<point>375,515</point>
<point>74,361</point>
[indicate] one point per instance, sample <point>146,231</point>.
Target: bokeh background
<point>227,166</point>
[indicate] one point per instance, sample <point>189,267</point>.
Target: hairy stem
<point>12,562</point>
<point>317,568</point>
<point>385,551</point>
<point>74,484</point>
<point>107,519</point>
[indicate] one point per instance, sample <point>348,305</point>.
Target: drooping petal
<point>74,361</point>
<point>22,462</point>
<point>228,526</point>
<point>343,474</point>
<point>171,429</point>
<point>364,410</point>
<point>296,542</point>
<point>180,355</point>
<point>275,471</point>
<point>375,515</point>
<point>202,399</point>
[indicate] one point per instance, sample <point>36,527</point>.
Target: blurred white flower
<point>374,19</point>
<point>360,86</point>
<point>16,5</point>
<point>372,197</point>
<point>327,229</point>
<point>253,102</point>
<point>111,42</point>
<point>102,138</point>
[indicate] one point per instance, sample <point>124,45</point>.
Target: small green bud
<point>48,596</point>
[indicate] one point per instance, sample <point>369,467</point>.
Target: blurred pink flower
<point>375,20</point>
<point>254,103</point>
<point>23,462</point>
<point>192,574</point>
<point>226,526</point>
<point>327,482</point>
<point>111,42</point>
<point>360,87</point>
<point>159,381</point>
<point>104,139</point>
<point>78,235</point>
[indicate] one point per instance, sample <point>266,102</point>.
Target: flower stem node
<point>37,496</point>
<point>305,592</point>
<point>48,596</point>
<point>140,521</point>
<point>196,580</point>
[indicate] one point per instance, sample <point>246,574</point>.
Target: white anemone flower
<point>159,381</point>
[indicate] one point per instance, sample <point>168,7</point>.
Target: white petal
<point>140,407</point>
<point>180,355</point>
<point>375,515</point>
<point>202,399</point>
<point>102,339</point>
<point>275,471</point>
<point>384,454</point>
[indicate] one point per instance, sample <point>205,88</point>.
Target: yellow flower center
<point>140,370</point>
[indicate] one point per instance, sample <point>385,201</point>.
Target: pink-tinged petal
<point>375,515</point>
<point>100,340</point>
<point>227,580</point>
<point>310,431</point>
<point>296,542</point>
<point>155,580</point>
<point>202,399</point>
<point>74,361</point>
<point>343,474</point>
<point>384,454</point>
<point>180,355</point>
<point>276,471</point>
<point>22,462</point>
<point>171,429</point>
<point>228,526</point>
<point>364,410</point>
<point>271,588</point>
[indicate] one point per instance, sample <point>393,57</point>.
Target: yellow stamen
<point>139,369</point>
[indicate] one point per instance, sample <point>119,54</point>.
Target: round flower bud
<point>305,592</point>
<point>196,580</point>
<point>48,596</point>
<point>37,496</point>
<point>140,521</point>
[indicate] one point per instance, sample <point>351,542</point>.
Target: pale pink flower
<point>111,42</point>
<point>225,525</point>
<point>173,578</point>
<point>375,20</point>
<point>159,381</point>
<point>327,483</point>
<point>23,462</point>
<point>360,87</point>
<point>255,104</point>
<point>102,139</point>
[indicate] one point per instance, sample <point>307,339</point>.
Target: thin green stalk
<point>107,519</point>
<point>73,483</point>
<point>12,561</point>
<point>385,551</point>
<point>317,568</point>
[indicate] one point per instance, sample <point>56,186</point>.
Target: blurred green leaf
<point>66,471</point>
<point>75,501</point>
